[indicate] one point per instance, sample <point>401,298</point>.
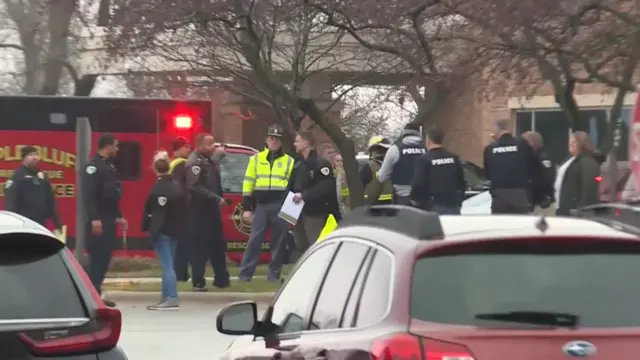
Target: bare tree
<point>267,51</point>
<point>42,32</point>
<point>563,43</point>
<point>420,34</point>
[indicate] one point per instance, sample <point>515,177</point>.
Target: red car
<point>399,283</point>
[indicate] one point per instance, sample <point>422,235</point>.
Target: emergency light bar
<point>407,220</point>
<point>183,122</point>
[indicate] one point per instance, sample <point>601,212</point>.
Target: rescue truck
<point>142,126</point>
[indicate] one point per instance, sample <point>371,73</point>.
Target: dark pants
<point>207,243</point>
<point>510,201</point>
<point>100,248</point>
<point>181,260</point>
<point>446,209</point>
<point>401,200</point>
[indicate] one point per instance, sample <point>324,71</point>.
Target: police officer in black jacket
<point>204,191</point>
<point>542,185</point>
<point>29,192</point>
<point>102,205</point>
<point>164,219</point>
<point>438,183</point>
<point>510,164</point>
<point>317,189</point>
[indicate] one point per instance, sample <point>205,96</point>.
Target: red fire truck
<point>142,126</point>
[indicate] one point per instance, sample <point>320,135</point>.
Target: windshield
<point>593,282</point>
<point>232,168</point>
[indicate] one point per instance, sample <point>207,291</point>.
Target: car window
<point>36,284</point>
<point>472,177</point>
<point>294,301</point>
<point>338,284</point>
<point>590,281</point>
<point>374,302</point>
<point>232,169</point>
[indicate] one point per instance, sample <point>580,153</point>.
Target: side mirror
<point>239,318</point>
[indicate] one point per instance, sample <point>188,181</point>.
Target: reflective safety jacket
<point>383,192</point>
<point>329,225</point>
<point>175,162</point>
<point>266,179</point>
<point>177,169</point>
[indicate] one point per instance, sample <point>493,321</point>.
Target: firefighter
<point>102,206</point>
<point>29,192</point>
<point>400,161</point>
<point>164,219</point>
<point>265,185</point>
<point>318,190</point>
<point>510,164</point>
<point>438,182</point>
<point>376,193</point>
<point>177,169</point>
<point>204,190</point>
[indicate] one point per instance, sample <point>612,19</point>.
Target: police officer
<point>509,165</point>
<point>204,190</point>
<point>376,193</point>
<point>102,206</point>
<point>318,189</point>
<point>400,161</point>
<point>265,185</point>
<point>181,150</point>
<point>542,186</point>
<point>438,183</point>
<point>29,192</point>
<point>164,219</point>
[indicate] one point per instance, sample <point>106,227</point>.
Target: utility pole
<point>83,151</point>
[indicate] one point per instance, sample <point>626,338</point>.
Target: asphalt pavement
<point>189,333</point>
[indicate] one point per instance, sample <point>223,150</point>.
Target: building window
<point>553,127</point>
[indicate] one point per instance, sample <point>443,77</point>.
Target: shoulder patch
<point>8,184</point>
<point>325,171</point>
<point>162,201</point>
<point>91,169</point>
<point>41,175</point>
<point>546,163</point>
<point>195,170</point>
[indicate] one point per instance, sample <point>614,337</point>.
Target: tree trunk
<point>84,86</point>
<point>60,14</point>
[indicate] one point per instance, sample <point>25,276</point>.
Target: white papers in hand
<point>290,211</point>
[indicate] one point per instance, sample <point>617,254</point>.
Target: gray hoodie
<point>411,138</point>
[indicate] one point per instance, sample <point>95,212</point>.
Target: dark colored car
<point>48,307</point>
<point>399,283</point>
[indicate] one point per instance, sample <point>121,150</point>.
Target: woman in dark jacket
<point>577,180</point>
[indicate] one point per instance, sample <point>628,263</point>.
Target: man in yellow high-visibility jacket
<point>181,150</point>
<point>265,185</point>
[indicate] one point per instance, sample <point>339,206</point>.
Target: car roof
<point>238,146</point>
<point>468,227</point>
<point>13,223</point>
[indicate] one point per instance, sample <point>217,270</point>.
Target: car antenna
<point>542,224</point>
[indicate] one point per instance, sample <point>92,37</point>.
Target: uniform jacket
<point>390,169</point>
<point>376,193</point>
<point>103,189</point>
<point>579,186</point>
<point>318,187</point>
<point>165,209</point>
<point>279,163</point>
<point>203,184</point>
<point>542,183</point>
<point>29,193</point>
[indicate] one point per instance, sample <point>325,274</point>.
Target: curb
<point>206,297</point>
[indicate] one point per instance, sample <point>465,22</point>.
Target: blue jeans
<point>165,248</point>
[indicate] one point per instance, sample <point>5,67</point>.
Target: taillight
<point>101,333</point>
<point>410,347</point>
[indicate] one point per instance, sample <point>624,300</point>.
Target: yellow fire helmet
<point>380,141</point>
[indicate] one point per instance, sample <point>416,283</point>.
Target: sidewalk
<point>155,280</point>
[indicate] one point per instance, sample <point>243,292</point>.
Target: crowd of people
<point>182,212</point>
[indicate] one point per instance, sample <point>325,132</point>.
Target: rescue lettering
<point>59,190</point>
<point>505,149</point>
<point>444,161</point>
<point>51,174</point>
<point>413,151</point>
<point>47,155</point>
<point>236,246</point>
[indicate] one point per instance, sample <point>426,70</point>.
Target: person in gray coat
<point>578,178</point>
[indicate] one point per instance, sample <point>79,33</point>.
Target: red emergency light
<point>183,122</point>
<point>598,179</point>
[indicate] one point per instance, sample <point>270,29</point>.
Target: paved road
<point>189,333</point>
